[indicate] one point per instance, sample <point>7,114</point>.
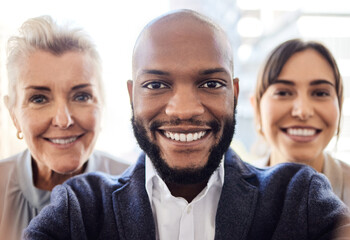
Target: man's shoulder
<point>287,170</point>
<point>95,182</point>
<point>98,182</point>
<point>288,178</point>
<point>106,162</point>
<point>282,171</point>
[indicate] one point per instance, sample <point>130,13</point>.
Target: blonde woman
<point>55,101</point>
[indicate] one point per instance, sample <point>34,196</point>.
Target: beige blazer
<point>338,173</point>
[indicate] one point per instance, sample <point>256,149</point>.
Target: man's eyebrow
<point>321,81</point>
<point>212,70</point>
<point>81,86</point>
<point>154,72</point>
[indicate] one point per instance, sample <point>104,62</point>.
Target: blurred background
<point>253,26</point>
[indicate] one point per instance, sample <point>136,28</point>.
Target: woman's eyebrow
<point>321,81</point>
<point>283,81</point>
<point>41,88</point>
<point>81,86</point>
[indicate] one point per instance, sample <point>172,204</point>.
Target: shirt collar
<point>151,174</point>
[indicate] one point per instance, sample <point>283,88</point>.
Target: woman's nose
<point>302,108</point>
<point>62,117</point>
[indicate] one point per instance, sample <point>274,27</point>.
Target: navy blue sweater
<point>288,201</point>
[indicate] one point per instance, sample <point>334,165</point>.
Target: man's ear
<point>236,87</point>
<point>11,111</point>
<point>130,84</point>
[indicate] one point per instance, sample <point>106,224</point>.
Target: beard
<point>186,175</point>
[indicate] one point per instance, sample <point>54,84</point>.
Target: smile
<point>303,132</point>
<point>63,141</point>
<point>184,137</point>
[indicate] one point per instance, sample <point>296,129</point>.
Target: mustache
<point>213,124</point>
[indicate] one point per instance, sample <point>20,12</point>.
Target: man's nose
<point>62,116</point>
<point>184,104</point>
<point>303,108</point>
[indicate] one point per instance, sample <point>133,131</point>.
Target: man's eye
<point>38,99</point>
<point>155,85</point>
<point>211,84</point>
<point>82,97</point>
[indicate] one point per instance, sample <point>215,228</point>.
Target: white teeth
<point>183,137</point>
<point>62,140</point>
<point>189,138</point>
<point>301,132</point>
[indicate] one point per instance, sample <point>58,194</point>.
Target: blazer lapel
<point>134,217</point>
<point>132,208</point>
<point>237,202</point>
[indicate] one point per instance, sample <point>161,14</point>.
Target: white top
<point>20,200</point>
<point>337,172</point>
<point>174,217</point>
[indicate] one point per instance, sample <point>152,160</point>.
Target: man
<point>189,185</point>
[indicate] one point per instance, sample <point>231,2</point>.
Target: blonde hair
<point>43,33</point>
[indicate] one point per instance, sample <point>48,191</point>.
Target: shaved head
<point>183,85</point>
<point>182,23</point>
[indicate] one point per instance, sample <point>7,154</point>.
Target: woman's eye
<point>321,93</point>
<point>82,97</point>
<point>212,84</point>
<point>155,85</point>
<point>282,93</point>
<point>38,99</point>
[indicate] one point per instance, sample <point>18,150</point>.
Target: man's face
<point>183,99</point>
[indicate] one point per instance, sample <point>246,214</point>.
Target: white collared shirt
<point>174,217</point>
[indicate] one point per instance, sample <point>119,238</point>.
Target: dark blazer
<point>288,201</point>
